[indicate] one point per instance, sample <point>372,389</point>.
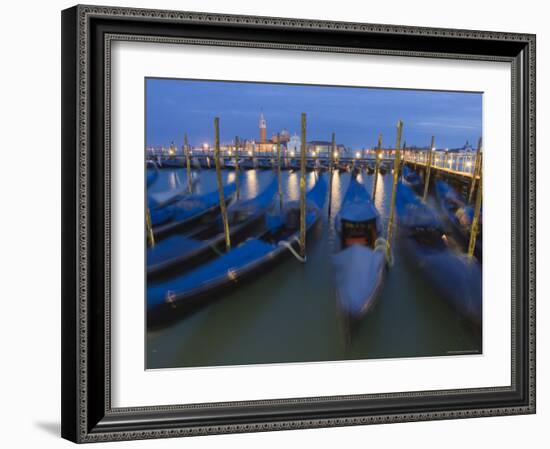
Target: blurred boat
<point>232,163</point>
<point>159,200</point>
<point>294,164</point>
<point>187,212</point>
<point>182,252</point>
<point>412,179</point>
<point>383,168</point>
<point>311,164</point>
<point>264,163</point>
<point>152,172</point>
<point>178,296</point>
<point>174,162</point>
<point>205,162</point>
<point>359,267</point>
<point>458,215</point>
<point>455,276</point>
<point>248,164</point>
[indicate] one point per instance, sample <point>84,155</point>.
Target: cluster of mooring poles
<point>475,182</point>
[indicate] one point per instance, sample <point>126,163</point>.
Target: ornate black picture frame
<point>87,34</point>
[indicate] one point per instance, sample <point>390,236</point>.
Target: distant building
<point>283,136</point>
<point>323,148</point>
<point>466,148</point>
<point>270,146</point>
<point>293,145</point>
<point>263,129</point>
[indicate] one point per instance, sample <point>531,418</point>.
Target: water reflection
<point>301,299</point>
<point>174,180</point>
<point>232,177</point>
<point>251,182</point>
<point>293,186</point>
<point>380,197</point>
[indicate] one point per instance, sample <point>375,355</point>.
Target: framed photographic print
<point>282,223</point>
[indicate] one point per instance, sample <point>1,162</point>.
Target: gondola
<point>412,179</point>
<point>343,166</point>
<point>383,168</point>
<point>264,163</point>
<point>152,172</point>
<point>205,162</point>
<point>455,276</point>
<point>324,165</point>
<point>172,299</point>
<point>158,200</point>
<point>184,251</point>
<point>174,162</point>
<point>311,164</point>
<point>232,163</point>
<point>185,213</point>
<point>370,167</point>
<point>248,164</point>
<point>458,215</point>
<point>360,264</point>
<point>294,164</point>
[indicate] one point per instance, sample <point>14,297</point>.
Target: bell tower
<point>263,129</point>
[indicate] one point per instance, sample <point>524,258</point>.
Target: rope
<point>288,246</point>
<point>215,249</point>
<point>381,245</point>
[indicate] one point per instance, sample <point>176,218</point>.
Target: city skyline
<point>356,114</point>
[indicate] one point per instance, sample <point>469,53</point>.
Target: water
<point>289,314</point>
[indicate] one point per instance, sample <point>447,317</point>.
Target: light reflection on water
<point>289,313</point>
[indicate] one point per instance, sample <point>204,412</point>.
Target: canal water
<point>289,314</point>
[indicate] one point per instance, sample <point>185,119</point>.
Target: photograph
<point>282,222</point>
<point>302,223</point>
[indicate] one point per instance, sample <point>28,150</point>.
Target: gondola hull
<point>180,296</point>
<point>183,252</point>
<point>456,277</point>
<point>450,203</point>
<point>360,264</point>
<point>190,211</point>
<point>359,275</point>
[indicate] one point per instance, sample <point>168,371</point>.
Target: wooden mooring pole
<point>477,211</point>
<point>188,163</point>
<point>376,166</point>
<point>477,171</point>
<point>331,172</point>
<point>428,169</point>
<point>396,163</point>
<point>237,181</point>
<point>149,226</point>
<point>303,188</point>
<point>223,209</point>
<point>280,185</point>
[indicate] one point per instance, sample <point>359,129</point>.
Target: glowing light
<point>313,152</point>
<point>468,164</point>
<point>380,156</point>
<point>250,152</point>
<point>205,146</point>
<point>292,153</point>
<point>229,152</point>
<point>357,155</point>
<point>335,154</point>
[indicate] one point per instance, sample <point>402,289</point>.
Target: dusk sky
<point>355,114</point>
